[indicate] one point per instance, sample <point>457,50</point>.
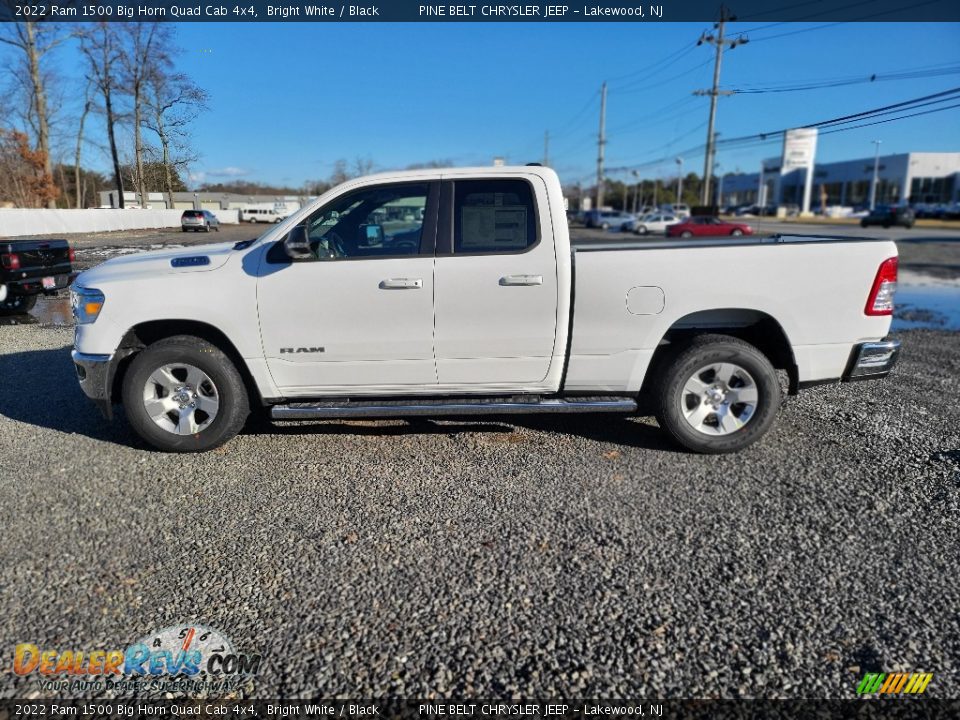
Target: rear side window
<point>493,216</point>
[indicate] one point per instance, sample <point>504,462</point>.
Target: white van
<point>262,214</point>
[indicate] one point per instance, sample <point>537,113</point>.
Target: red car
<point>707,227</point>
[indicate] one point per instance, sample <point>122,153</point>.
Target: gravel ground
<point>580,556</point>
<point>573,557</point>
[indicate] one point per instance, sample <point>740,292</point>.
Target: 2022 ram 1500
<point>29,268</point>
<point>456,292</point>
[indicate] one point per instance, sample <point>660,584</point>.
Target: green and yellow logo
<point>894,683</point>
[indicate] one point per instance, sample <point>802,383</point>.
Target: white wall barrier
<point>17,221</point>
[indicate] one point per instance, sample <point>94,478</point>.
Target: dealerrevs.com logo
<point>202,658</point>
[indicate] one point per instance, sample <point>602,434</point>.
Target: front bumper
<point>95,373</point>
<point>872,360</point>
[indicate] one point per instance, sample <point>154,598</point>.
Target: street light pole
<point>876,174</point>
<point>680,180</point>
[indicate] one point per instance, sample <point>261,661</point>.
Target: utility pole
<point>720,42</point>
<point>876,175</point>
<point>679,180</point>
<point>602,140</point>
<point>546,148</point>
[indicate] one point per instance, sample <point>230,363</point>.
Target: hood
<point>196,258</point>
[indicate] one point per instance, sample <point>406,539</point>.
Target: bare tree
<point>87,105</point>
<point>145,55</point>
<point>173,102</point>
<point>34,41</point>
<point>100,45</point>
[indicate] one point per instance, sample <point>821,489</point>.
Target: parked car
<point>29,268</point>
<point>889,216</point>
<point>475,320</point>
<point>263,214</point>
<point>704,226</point>
<point>198,220</point>
<point>679,210</point>
<point>655,223</point>
<point>606,219</point>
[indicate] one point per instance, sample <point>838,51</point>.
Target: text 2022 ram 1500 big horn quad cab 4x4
<point>457,292</point>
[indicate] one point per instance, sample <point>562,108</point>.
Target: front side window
<point>493,216</point>
<point>385,220</point>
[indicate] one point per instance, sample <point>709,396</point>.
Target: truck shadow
<point>40,388</point>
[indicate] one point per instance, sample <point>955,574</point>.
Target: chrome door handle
<point>521,280</point>
<point>401,284</point>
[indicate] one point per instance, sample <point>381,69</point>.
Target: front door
<point>357,315</point>
<point>496,300</point>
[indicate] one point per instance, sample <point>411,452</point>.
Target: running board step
<point>438,408</point>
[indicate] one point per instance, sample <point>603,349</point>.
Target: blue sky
<point>288,99</point>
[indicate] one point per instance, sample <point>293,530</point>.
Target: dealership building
<point>915,177</point>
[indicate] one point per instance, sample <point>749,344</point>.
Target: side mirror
<point>297,244</point>
<point>370,235</point>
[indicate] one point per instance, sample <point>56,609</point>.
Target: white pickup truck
<point>457,292</point>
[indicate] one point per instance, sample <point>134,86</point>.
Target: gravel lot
<point>573,557</point>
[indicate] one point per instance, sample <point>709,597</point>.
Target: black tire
<point>216,227</point>
<point>886,226</point>
<point>864,223</point>
<point>231,391</point>
<point>702,351</point>
<point>17,304</point>
<point>183,229</point>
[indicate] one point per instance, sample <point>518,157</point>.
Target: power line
<point>860,80</point>
<point>659,65</point>
<point>764,138</point>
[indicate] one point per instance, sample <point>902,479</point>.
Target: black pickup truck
<point>31,267</point>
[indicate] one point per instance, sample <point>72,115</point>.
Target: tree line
<point>129,82</point>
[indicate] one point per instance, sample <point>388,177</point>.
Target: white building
<point>907,177</point>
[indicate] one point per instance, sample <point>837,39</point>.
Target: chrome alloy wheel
<point>181,399</point>
<point>719,399</point>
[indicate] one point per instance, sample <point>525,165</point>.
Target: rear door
<point>496,284</point>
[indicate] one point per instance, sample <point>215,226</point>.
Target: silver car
<point>198,220</point>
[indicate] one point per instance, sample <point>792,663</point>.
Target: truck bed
<point>582,245</point>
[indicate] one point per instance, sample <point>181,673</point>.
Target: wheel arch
<point>756,327</point>
<point>146,333</point>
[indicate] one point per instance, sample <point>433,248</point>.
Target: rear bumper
<point>872,360</point>
<point>95,373</point>
<point>34,285</point>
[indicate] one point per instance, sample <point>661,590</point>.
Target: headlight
<point>86,303</point>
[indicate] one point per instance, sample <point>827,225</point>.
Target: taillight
<point>71,255</point>
<point>10,261</point>
<point>880,300</point>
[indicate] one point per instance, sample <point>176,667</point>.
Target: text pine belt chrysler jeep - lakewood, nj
<point>456,292</point>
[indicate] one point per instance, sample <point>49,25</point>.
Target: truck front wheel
<point>183,394</point>
<point>717,395</point>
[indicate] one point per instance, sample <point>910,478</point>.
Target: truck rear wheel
<point>717,395</point>
<point>183,394</point>
<point>17,304</point>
